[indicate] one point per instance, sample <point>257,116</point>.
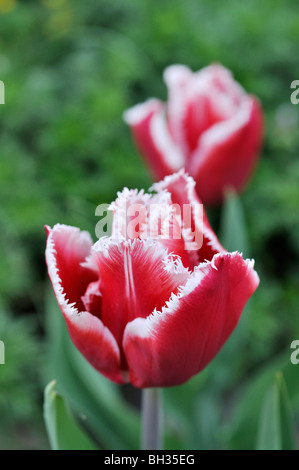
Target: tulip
<point>210,126</point>
<point>150,311</point>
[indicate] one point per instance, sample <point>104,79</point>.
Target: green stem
<point>151,419</point>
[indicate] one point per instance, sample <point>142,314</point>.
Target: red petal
<point>145,216</point>
<point>152,138</point>
<point>197,101</point>
<point>227,153</point>
<point>171,346</point>
<point>135,278</point>
<point>199,116</point>
<point>92,299</point>
<point>179,80</point>
<point>182,190</point>
<point>72,247</point>
<point>96,343</point>
<point>66,252</point>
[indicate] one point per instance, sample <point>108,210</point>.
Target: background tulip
<point>150,311</point>
<point>209,125</point>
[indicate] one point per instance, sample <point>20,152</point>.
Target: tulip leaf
<point>244,421</point>
<point>275,428</point>
<point>113,420</point>
<point>233,232</point>
<point>180,415</point>
<point>234,237</point>
<point>63,431</point>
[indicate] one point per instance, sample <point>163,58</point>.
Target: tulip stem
<point>151,419</point>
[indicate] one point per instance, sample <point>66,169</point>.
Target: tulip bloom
<point>150,311</point>
<point>209,126</point>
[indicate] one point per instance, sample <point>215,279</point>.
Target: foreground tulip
<point>150,311</point>
<point>209,126</point>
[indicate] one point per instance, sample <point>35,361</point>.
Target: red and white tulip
<point>210,126</point>
<point>151,311</point>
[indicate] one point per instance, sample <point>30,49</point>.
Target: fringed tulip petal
<point>152,137</point>
<point>135,278</point>
<point>176,343</point>
<point>227,153</point>
<point>66,252</point>
<point>210,126</point>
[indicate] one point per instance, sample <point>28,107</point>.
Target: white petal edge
<point>172,263</point>
<point>52,267</point>
<point>190,186</point>
<point>133,116</point>
<point>219,133</point>
<point>145,327</point>
<point>69,309</point>
<point>164,142</point>
<point>158,129</point>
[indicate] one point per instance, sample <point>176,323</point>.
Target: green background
<point>70,69</point>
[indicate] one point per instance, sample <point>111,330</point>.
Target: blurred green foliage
<point>20,383</point>
<point>70,69</point>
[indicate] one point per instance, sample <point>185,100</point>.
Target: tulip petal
<point>171,346</point>
<point>92,299</point>
<point>179,80</point>
<point>66,252</point>
<point>182,190</point>
<point>227,152</point>
<point>135,277</point>
<point>148,216</point>
<point>197,101</point>
<point>71,248</point>
<point>150,132</point>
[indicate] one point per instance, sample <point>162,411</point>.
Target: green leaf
<point>114,421</point>
<point>275,428</point>
<point>269,429</point>
<point>233,232</point>
<point>287,422</point>
<point>63,431</point>
<point>244,421</point>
